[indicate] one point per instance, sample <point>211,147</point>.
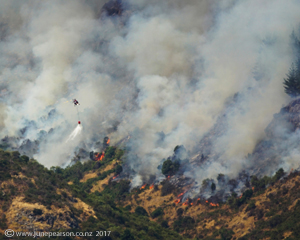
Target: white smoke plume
<point>162,72</point>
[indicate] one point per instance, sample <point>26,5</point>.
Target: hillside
<point>84,197</point>
<point>261,213</point>
<point>33,198</point>
<point>150,119</point>
<point>96,195</point>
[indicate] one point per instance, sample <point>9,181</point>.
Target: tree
<point>169,167</point>
<point>226,234</point>
<point>213,186</point>
<point>127,235</point>
<point>37,211</point>
<point>292,82</point>
<point>157,212</point>
<point>179,212</point>
<point>164,224</point>
<point>141,211</point>
<point>119,169</point>
<point>279,174</point>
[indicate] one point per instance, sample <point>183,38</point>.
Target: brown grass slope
<point>208,221</point>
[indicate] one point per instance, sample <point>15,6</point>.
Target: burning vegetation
<point>176,209</point>
<point>201,217</point>
<point>185,190</point>
<point>99,157</point>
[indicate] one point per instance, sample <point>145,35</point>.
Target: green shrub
<point>109,153</point>
<point>251,205</point>
<point>119,153</point>
<point>226,234</point>
<point>235,202</point>
<point>183,223</point>
<point>141,211</point>
<point>37,211</point>
<point>128,207</point>
<point>271,213</point>
<point>4,176</point>
<point>157,212</point>
<point>274,221</point>
<point>24,158</point>
<point>258,183</point>
<point>15,154</point>
<point>179,212</point>
<point>164,224</point>
<point>259,214</point>
<point>3,224</point>
<point>119,169</point>
<point>127,235</point>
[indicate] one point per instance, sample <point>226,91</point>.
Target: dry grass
<point>80,205</point>
<point>100,185</point>
<point>87,209</point>
<point>239,222</point>
<point>88,176</point>
<point>287,234</point>
<point>95,173</point>
<point>6,183</point>
<point>18,206</point>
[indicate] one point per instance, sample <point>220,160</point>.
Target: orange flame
<point>180,194</point>
<point>252,188</point>
<point>151,186</point>
<point>198,199</point>
<point>99,157</point>
<point>108,141</point>
<point>115,176</point>
<point>143,186</point>
<point>206,201</point>
<point>179,197</point>
<point>187,203</point>
<point>102,156</point>
<point>214,204</point>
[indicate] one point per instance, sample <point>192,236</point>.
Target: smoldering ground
<point>159,71</point>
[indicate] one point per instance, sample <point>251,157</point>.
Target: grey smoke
<point>161,67</point>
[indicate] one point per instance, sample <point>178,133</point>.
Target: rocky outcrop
<point>36,217</point>
<point>27,220</point>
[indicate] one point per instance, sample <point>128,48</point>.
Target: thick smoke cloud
<point>162,73</point>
